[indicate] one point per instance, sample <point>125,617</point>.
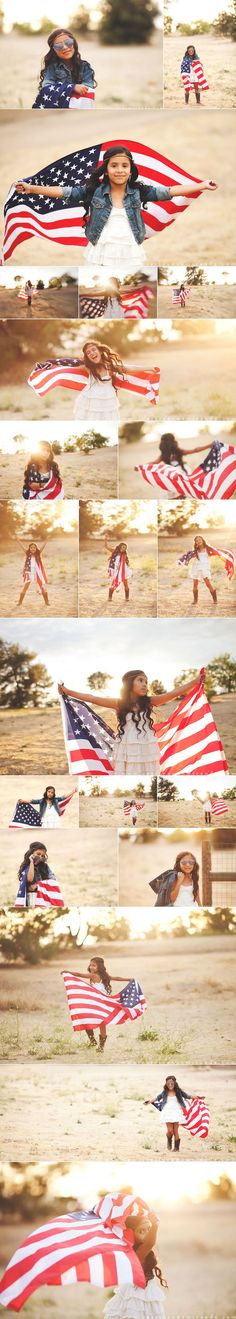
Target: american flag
<point>219,806</point>
<point>89,1007</point>
<point>179,297</point>
<point>128,806</point>
<point>227,557</point>
<point>63,97</point>
<point>119,573</point>
<point>26,816</point>
<point>194,68</point>
<point>189,741</point>
<point>34,570</point>
<point>92,1247</point>
<point>196,1119</point>
<point>134,303</point>
<point>69,373</point>
<point>27,216</point>
<point>52,489</point>
<point>48,891</point>
<point>89,742</point>
<point>24,294</point>
<point>217,483</point>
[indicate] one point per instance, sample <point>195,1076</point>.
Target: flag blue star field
<point>61,221</point>
<point>25,816</point>
<point>89,742</point>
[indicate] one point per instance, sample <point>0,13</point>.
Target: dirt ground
<point>49,303</point>
<point>123,74</point>
<point>209,363</point>
<point>117,1093</point>
<point>109,811</point>
<point>84,863</point>
<point>175,587</point>
<point>81,474</point>
<point>198,971</point>
<point>93,581</point>
<point>190,815</point>
<point>11,789</point>
<point>25,735</point>
<point>206,301</point>
<point>60,559</point>
<point>131,483</point>
<point>202,235</point>
<point>196,1246</point>
<point>217,55</point>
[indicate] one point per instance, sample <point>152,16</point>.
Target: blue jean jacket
<point>101,207</point>
<point>57,72</point>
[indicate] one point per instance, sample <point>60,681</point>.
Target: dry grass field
<point>81,474</point>
<point>93,581</point>
<point>141,859</point>
<point>84,863</point>
<point>190,815</point>
<point>47,304</point>
<point>204,301</point>
<point>60,559</point>
<point>197,1251</point>
<point>131,483</point>
<point>203,234</point>
<point>109,811</point>
<point>123,74</point>
<point>26,735</point>
<point>175,586</point>
<point>11,789</point>
<point>197,971</point>
<point>218,58</point>
<point>118,1093</point>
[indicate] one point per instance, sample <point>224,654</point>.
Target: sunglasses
<point>61,45</point>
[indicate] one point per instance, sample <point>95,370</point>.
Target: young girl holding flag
<point>98,975</point>
<point>200,567</point>
<point>132,1302</point>
<point>33,570</point>
<point>66,81</point>
<point>136,745</point>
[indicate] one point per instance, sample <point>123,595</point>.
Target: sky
<point>213,274</point>
<point>58,10</point>
<point>212,783</point>
<point>125,782</point>
<point>208,10</point>
<point>162,649</point>
<point>157,1183</point>
<point>136,513</point>
<point>183,430</point>
<point>140,920</point>
<point>100,278</point>
<point>64,516</point>
<point>219,514</point>
<point>7,277</point>
<point>52,431</point>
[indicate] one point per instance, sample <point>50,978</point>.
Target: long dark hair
<point>103,973</point>
<point>100,175</point>
<point>44,797</point>
<point>52,58</point>
<point>42,865</point>
<point>206,546</point>
<point>125,704</point>
<point>33,462</point>
<point>37,554</point>
<point>195,871</point>
<point>186,53</point>
<point>109,359</point>
<point>180,1094</point>
<point>152,1269</point>
<point>116,551</point>
<point>170,450</point>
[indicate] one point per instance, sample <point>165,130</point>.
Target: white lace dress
<point>114,310</point>
<point>185,897</point>
<point>50,818</point>
<point>172,1111</point>
<point>136,751</point>
<point>136,1303</point>
<point>98,401</point>
<point>200,567</point>
<point>117,243</point>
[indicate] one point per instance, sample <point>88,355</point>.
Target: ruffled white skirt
<point>97,401</point>
<point>136,751</point>
<point>135,1303</point>
<point>117,243</point>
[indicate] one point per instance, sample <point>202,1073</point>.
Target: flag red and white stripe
<point>135,302</point>
<point>53,489</point>
<point>71,375</point>
<point>119,573</point>
<point>84,102</point>
<point>189,741</point>
<point>128,805</point>
<point>219,806</point>
<point>24,295</point>
<point>35,571</point>
<point>89,1007</point>
<point>196,77</point>
<point>218,484</point>
<point>196,1119</point>
<point>179,297</point>
<point>48,894</point>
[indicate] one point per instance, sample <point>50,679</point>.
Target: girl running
<point>42,477</point>
<point>136,746</point>
<point>64,75</point>
<point>178,887</point>
<point>119,571</point>
<point>171,1104</point>
<point>33,570</point>
<point>129,1301</point>
<point>112,203</point>
<point>98,975</point>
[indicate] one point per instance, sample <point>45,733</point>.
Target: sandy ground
<point>81,474</point>
<point>49,302</point>
<point>117,1094</point>
<point>190,815</point>
<point>93,581</point>
<point>175,587</point>
<point>109,811</point>
<point>203,234</point>
<point>131,483</point>
<point>208,363</point>
<point>218,58</point>
<point>206,301</point>
<point>196,1245</point>
<point>198,971</point>
<point>26,734</point>
<point>60,559</point>
<point>85,864</point>
<point>11,789</point>
<point>142,858</point>
<point>125,74</point>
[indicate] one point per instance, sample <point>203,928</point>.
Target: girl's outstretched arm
<point>147,1245</point>
<point>39,190</point>
<point>198,448</point>
<point>174,695</point>
<point>181,191</point>
<point>91,698</point>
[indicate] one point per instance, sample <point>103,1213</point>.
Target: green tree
<point>156,687</point>
<point>80,21</point>
<point>90,440</point>
<point>167,790</point>
<point>222,672</point>
<point>153,789</point>
<point>225,23</point>
<point>195,275</point>
<point>24,681</point>
<point>98,680</point>
<point>125,24</point>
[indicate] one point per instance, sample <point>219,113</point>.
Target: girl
<point>172,1108</point>
<point>49,812</point>
<point>171,453</point>
<point>113,307</point>
<point>112,202</point>
<point>98,975</point>
<point>33,570</point>
<point>64,73</point>
<point>129,1301</point>
<point>98,399</point>
<point>34,872</point>
<point>42,477</point>
<point>119,571</point>
<point>136,746</point>
<point>190,74</point>
<point>178,887</point>
<point>200,570</point>
<point>29,292</point>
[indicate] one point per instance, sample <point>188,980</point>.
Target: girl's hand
<point>61,688</point>
<point>209,183</point>
<point>22,187</point>
<point>81,88</point>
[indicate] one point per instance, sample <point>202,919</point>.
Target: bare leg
<point>170,1129</point>
<point>195,591</point>
<point>23,593</point>
<point>211,589</point>
<point>45,596</point>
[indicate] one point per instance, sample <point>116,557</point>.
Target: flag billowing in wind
<point>25,815</point>
<point>196,1118</point>
<point>71,374</point>
<point>189,742</point>
<point>94,1247</point>
<point>226,556</point>
<point>48,892</point>
<point>219,806</point>
<point>134,302</point>
<point>128,806</point>
<point>24,294</point>
<point>27,216</point>
<point>218,482</point>
<point>89,1007</point>
<point>179,297</point>
<point>89,742</point>
<point>192,73</point>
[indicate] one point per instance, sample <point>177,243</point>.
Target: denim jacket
<point>161,1099</point>
<point>39,801</point>
<point>163,885</point>
<point>59,72</point>
<point>101,207</point>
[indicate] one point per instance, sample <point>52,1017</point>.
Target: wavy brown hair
<point>102,972</point>
<point>207,547</point>
<point>52,58</point>
<point>125,704</point>
<point>195,871</point>
<point>109,359</point>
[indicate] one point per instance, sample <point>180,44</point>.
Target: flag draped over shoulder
<point>89,1006</point>
<point>218,482</point>
<point>27,216</point>
<point>226,556</point>
<point>119,572</point>
<point>48,891</point>
<point>71,374</point>
<point>25,814</point>
<point>192,74</point>
<point>196,1118</point>
<point>189,742</point>
<point>89,742</point>
<point>94,1247</point>
<point>52,489</point>
<point>219,806</point>
<point>179,297</point>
